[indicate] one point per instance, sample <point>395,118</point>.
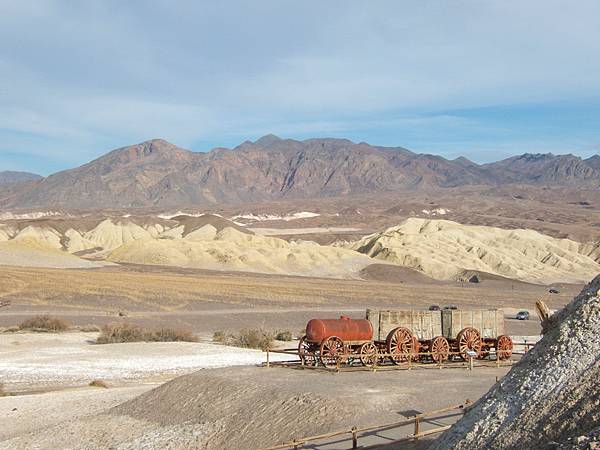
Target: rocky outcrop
<point>550,397</point>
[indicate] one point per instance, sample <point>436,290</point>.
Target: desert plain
<point>150,269</point>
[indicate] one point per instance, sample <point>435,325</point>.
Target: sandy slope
<point>31,252</point>
<point>254,407</point>
<point>230,249</point>
<point>444,250</point>
<point>206,242</point>
<point>437,248</point>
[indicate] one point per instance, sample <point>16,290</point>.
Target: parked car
<point>434,308</point>
<point>553,291</point>
<point>522,315</point>
<point>450,307</point>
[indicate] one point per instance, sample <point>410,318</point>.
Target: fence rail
<point>356,432</point>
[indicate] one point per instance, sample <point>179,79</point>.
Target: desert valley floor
<point>271,268</point>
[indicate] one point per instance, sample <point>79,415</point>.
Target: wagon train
<point>400,336</point>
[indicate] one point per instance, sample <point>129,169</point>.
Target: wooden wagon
<point>403,335</point>
<point>477,330</point>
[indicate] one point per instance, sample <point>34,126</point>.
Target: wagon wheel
<point>440,349</point>
<point>332,350</point>
<point>306,352</point>
<point>504,347</point>
<point>400,344</point>
<point>468,339</point>
<point>368,354</point>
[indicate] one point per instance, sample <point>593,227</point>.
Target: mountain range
<point>158,173</point>
<point>9,177</point>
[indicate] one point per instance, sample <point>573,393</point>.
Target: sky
<point>482,79</point>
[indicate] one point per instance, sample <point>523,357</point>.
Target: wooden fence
<point>356,432</point>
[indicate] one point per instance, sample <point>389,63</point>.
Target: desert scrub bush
<point>115,333</point>
<point>3,393</point>
<point>220,336</point>
<point>172,335</point>
<point>284,335</point>
<point>98,383</point>
<point>44,323</point>
<point>90,328</point>
<point>253,338</point>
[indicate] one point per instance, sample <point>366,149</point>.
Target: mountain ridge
<point>159,173</point>
<point>11,177</point>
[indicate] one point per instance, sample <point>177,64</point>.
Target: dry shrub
<point>120,332</point>
<point>249,338</point>
<point>220,336</point>
<point>99,383</point>
<point>284,335</point>
<point>90,328</point>
<point>3,393</point>
<point>125,332</point>
<point>12,329</point>
<point>254,338</point>
<point>44,323</point>
<point>173,335</point>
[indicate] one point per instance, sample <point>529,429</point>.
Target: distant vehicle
<point>450,307</point>
<point>522,315</point>
<point>553,291</point>
<point>434,308</point>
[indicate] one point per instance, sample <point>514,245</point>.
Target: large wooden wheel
<point>504,347</point>
<point>368,354</point>
<point>440,349</point>
<point>306,351</point>
<point>332,350</point>
<point>400,345</point>
<point>469,339</point>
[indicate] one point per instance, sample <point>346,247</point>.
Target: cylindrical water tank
<point>345,328</point>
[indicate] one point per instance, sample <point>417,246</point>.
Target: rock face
<point>157,173</point>
<point>547,169</point>
<point>550,396</point>
<point>9,177</point>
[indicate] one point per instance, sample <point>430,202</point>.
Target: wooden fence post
<point>417,421</point>
<point>354,438</point>
<point>268,362</point>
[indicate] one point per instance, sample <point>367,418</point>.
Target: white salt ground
<point>50,360</point>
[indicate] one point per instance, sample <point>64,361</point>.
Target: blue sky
<point>481,79</point>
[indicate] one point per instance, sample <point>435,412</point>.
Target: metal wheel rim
<point>469,340</point>
<point>368,354</point>
<point>400,344</point>
<point>504,347</point>
<point>332,350</point>
<point>440,349</point>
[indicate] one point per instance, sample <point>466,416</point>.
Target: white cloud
<point>91,73</point>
